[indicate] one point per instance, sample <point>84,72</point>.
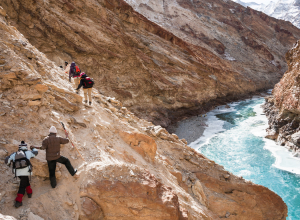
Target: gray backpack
<point>21,161</point>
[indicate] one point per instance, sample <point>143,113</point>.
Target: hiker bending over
<point>87,84</point>
<point>75,73</point>
<point>22,168</point>
<point>52,146</point>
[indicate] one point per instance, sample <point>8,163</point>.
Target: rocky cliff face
<point>283,108</point>
<point>244,37</point>
<point>190,56</point>
<point>128,168</point>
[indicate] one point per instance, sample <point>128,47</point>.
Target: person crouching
<point>22,168</point>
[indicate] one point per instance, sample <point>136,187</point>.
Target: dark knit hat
<point>23,144</point>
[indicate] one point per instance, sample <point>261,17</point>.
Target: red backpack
<point>77,71</point>
<point>88,82</point>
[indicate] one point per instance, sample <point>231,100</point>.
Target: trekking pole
<point>71,141</point>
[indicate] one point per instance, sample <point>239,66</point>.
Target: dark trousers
<point>63,160</point>
<point>23,184</point>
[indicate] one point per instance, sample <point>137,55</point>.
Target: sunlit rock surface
<point>116,179</point>
<point>166,60</point>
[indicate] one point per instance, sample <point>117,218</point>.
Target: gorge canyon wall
<point>128,168</point>
<point>283,107</point>
<point>165,59</point>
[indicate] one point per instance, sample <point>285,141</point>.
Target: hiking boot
<point>75,171</point>
<point>74,175</point>
<point>90,103</point>
<point>85,101</point>
<point>18,204</point>
<point>18,200</point>
<point>29,191</point>
<point>53,182</point>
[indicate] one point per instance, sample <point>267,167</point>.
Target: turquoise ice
<point>235,139</point>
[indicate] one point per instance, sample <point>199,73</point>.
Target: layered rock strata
<point>128,168</point>
<point>193,56</point>
<point>283,108</point>
<point>242,36</point>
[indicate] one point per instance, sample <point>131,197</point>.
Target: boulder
<point>141,143</point>
<point>140,196</point>
<point>199,193</point>
<point>39,163</point>
<point>271,134</point>
<point>90,210</point>
<point>244,200</point>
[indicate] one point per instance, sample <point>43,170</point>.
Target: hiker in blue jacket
<point>22,168</point>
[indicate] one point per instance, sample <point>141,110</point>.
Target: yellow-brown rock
<point>122,172</point>
<point>31,96</point>
<point>90,209</point>
<point>239,200</point>
<point>138,197</point>
<point>41,88</point>
<point>32,103</point>
<point>141,143</point>
<point>199,193</point>
<point>193,56</point>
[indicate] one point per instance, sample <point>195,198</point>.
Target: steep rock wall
<point>283,108</point>
<point>157,73</point>
<point>119,178</point>
<point>254,43</point>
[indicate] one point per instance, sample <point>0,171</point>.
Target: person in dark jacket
<point>73,74</point>
<point>22,173</point>
<point>52,146</point>
<point>87,84</point>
